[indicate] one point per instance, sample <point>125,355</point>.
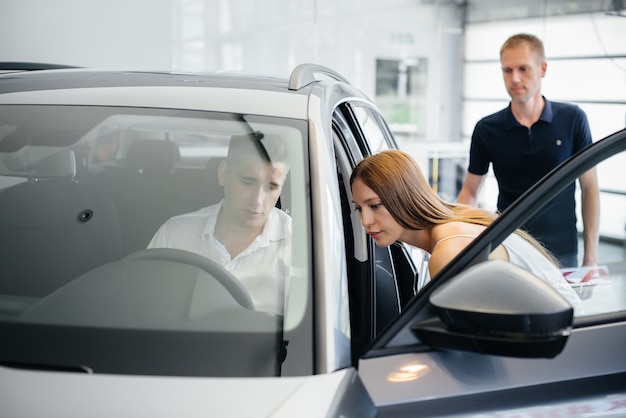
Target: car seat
<point>54,228</point>
<point>144,190</point>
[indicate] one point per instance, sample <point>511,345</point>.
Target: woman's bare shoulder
<point>449,240</point>
<point>456,229</point>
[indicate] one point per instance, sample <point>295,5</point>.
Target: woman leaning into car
<point>396,203</point>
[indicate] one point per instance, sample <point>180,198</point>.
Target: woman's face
<point>375,217</point>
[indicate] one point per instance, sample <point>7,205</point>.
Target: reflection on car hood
<point>26,393</point>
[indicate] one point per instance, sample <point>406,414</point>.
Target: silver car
<point>95,323</point>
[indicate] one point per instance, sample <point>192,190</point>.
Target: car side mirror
<point>497,308</point>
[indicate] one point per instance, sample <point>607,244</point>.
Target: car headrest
<point>152,155</point>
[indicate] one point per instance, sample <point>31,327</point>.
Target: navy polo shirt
<point>521,156</point>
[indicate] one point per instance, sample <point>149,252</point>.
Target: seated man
<point>245,232</point>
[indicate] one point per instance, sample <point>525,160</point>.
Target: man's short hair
<point>270,147</point>
<point>524,39</point>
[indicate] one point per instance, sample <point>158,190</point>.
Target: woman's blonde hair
<point>399,183</point>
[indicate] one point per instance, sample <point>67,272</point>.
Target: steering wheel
<point>226,278</point>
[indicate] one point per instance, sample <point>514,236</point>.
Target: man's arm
<point>471,187</point>
<point>590,209</point>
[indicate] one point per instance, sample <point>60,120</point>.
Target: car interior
<point>74,227</point>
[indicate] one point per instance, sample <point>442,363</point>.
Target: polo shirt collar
<point>546,115</point>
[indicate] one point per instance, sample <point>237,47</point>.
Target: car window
<point>109,232</point>
<point>379,138</point>
<point>602,288</point>
<point>373,127</point>
<point>381,280</point>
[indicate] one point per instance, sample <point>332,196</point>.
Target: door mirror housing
<point>497,308</point>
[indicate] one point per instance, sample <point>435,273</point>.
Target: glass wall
<point>404,54</point>
<point>433,69</point>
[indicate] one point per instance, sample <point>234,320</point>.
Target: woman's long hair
<point>399,183</point>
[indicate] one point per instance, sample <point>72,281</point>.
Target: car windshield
<point>115,223</point>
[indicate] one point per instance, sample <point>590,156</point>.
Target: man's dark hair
<point>271,148</point>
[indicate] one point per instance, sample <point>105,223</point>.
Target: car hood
<point>26,393</point>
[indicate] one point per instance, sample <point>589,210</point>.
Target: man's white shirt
<point>263,267</point>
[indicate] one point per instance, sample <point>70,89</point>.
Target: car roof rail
<point>304,74</point>
<point>30,66</point>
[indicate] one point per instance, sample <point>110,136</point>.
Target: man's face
<point>251,189</point>
<point>522,70</point>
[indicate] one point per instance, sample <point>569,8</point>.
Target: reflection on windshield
<point>169,232</point>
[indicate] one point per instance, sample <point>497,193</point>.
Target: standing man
<point>524,142</point>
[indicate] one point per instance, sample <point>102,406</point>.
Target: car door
<point>425,363</point>
<point>381,280</point>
